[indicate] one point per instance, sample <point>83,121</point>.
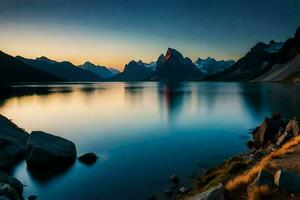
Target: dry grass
<point>257,192</point>
<point>248,176</point>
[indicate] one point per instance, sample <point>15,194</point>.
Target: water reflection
<point>146,130</point>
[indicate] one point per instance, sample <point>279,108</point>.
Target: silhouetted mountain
<point>173,67</point>
<point>13,70</point>
<point>64,70</point>
<point>211,65</point>
<point>98,70</point>
<point>255,62</point>
<point>114,71</point>
<point>135,71</point>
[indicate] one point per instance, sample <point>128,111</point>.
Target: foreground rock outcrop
<point>13,141</point>
<point>46,150</point>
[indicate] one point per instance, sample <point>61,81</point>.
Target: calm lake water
<point>143,132</point>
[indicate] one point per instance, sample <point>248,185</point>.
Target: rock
<point>263,179</point>
<point>32,197</point>
<point>168,191</point>
<point>88,158</point>
<point>184,190</point>
<point>12,182</point>
<point>4,198</point>
<point>48,151</point>
<point>267,131</point>
<point>293,127</point>
<point>271,148</point>
<point>216,193</point>
<point>5,189</point>
<point>174,179</point>
<point>287,180</point>
<point>13,142</point>
<point>284,138</point>
<point>7,192</point>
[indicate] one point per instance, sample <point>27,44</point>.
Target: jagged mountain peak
<point>173,53</point>
<point>45,59</point>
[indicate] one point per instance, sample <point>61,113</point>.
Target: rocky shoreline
<point>42,152</point>
<point>271,170</point>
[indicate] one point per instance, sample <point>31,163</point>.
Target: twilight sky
<point>112,32</point>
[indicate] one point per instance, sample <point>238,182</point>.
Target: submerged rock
<point>49,151</point>
<point>32,197</point>
<point>174,179</point>
<point>287,180</point>
<point>184,190</point>
<point>88,158</point>
<point>168,191</point>
<point>13,142</point>
<point>216,193</point>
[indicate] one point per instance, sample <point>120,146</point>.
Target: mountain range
<point>266,62</point>
<point>98,70</point>
<point>14,71</point>
<point>273,61</point>
<point>64,70</point>
<point>211,65</point>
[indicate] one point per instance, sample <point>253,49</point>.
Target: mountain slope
<point>211,65</point>
<point>254,63</point>
<point>64,70</point>
<point>98,70</point>
<point>173,67</point>
<point>13,70</point>
<point>134,71</point>
<point>286,65</point>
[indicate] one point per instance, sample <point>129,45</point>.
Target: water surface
<point>143,132</point>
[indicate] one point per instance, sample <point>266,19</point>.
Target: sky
<point>113,32</point>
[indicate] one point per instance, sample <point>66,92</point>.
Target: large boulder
<point>287,180</point>
<point>216,193</point>
<point>268,130</point>
<point>13,142</point>
<point>49,151</point>
<point>293,127</point>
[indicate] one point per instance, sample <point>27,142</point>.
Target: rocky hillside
<point>266,62</point>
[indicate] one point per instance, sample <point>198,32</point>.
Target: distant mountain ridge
<point>64,70</point>
<point>135,71</point>
<point>211,65</point>
<point>101,71</point>
<point>14,71</point>
<point>171,67</point>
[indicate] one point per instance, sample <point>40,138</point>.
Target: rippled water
<point>143,132</point>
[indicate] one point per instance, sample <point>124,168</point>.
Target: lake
<point>142,132</point>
